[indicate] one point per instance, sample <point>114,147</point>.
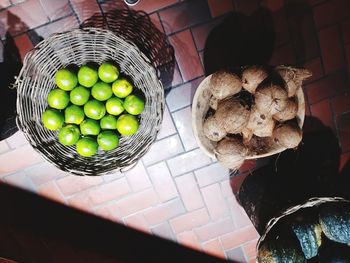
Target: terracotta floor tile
<point>283,55</point>
<point>215,229</point>
<point>341,103</point>
<point>331,48</point>
<point>246,7</point>
<point>170,146</point>
<point>182,96</point>
<point>110,212</point>
<point>137,202</point>
<point>137,177</point>
<point>326,87</point>
<point>73,184</point>
<point>112,5</point>
<point>238,214</point>
<point>17,140</point>
<point>168,127</point>
<point>162,181</point>
<point>56,9</point>
<point>322,110</point>
<point>22,17</point>
<point>250,249</point>
<point>190,220</point>
<point>186,55</point>
<point>236,255</point>
<point>182,16</point>
<point>165,211</point>
<point>238,237</point>
<point>138,222</point>
<point>211,174</point>
<point>200,33</point>
<point>214,248</point>
<point>20,180</point>
<point>331,12</point>
<point>44,173</point>
<point>150,6</point>
<point>183,119</point>
<point>18,159</point>
<point>215,202</point>
<point>24,45</point>
<point>189,191</point>
<point>51,191</point>
<point>188,162</point>
<point>315,67</point>
<point>3,147</point>
<point>4,4</point>
<point>189,239</point>
<point>85,8</point>
<point>344,160</point>
<point>163,230</point>
<point>220,7</point>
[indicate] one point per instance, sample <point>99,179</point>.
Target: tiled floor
<point>176,191</point>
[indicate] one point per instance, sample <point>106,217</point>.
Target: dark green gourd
<point>309,236</point>
<point>335,221</point>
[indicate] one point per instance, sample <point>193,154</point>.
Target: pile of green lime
<point>93,108</point>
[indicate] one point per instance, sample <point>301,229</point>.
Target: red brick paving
<point>177,192</point>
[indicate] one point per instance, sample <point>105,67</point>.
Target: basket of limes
<point>89,102</point>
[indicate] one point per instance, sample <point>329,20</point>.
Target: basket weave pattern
<point>79,47</point>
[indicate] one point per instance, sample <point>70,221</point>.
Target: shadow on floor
<point>34,229</point>
<point>294,176</point>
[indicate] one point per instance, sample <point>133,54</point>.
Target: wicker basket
<point>199,111</point>
<point>312,202</point>
<point>79,47</point>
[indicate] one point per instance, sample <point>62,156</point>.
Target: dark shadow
<point>240,40</point>
<point>34,229</point>
<point>9,67</point>
<point>137,28</point>
<point>293,176</point>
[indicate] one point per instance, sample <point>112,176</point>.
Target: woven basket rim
<point>311,202</point>
<point>157,87</point>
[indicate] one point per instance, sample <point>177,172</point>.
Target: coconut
<point>213,130</point>
<point>287,135</point>
<point>252,77</point>
<point>213,103</point>
<point>289,112</point>
<point>261,145</point>
<point>224,84</point>
<point>232,115</point>
<point>270,99</point>
<point>231,152</point>
<point>293,77</point>
<point>260,124</point>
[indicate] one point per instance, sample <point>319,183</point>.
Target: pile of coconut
<point>253,111</point>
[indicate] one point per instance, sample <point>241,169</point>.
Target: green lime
<point>108,122</point>
<point>79,95</point>
<point>58,99</point>
<point>114,106</point>
<point>87,76</point>
<point>108,72</point>
<point>52,119</point>
<point>65,79</point>
<point>134,104</point>
<point>122,88</point>
<point>90,127</point>
<point>127,124</point>
<point>101,91</point>
<point>87,147</point>
<point>74,114</point>
<point>94,109</point>
<point>108,140</point>
<point>69,135</point>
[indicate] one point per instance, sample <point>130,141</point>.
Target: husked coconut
<point>232,115</point>
<point>260,124</point>
<point>231,152</point>
<point>252,77</point>
<point>270,99</point>
<point>213,130</point>
<point>213,103</point>
<point>224,84</point>
<point>289,112</point>
<point>287,135</point>
<point>293,77</point>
